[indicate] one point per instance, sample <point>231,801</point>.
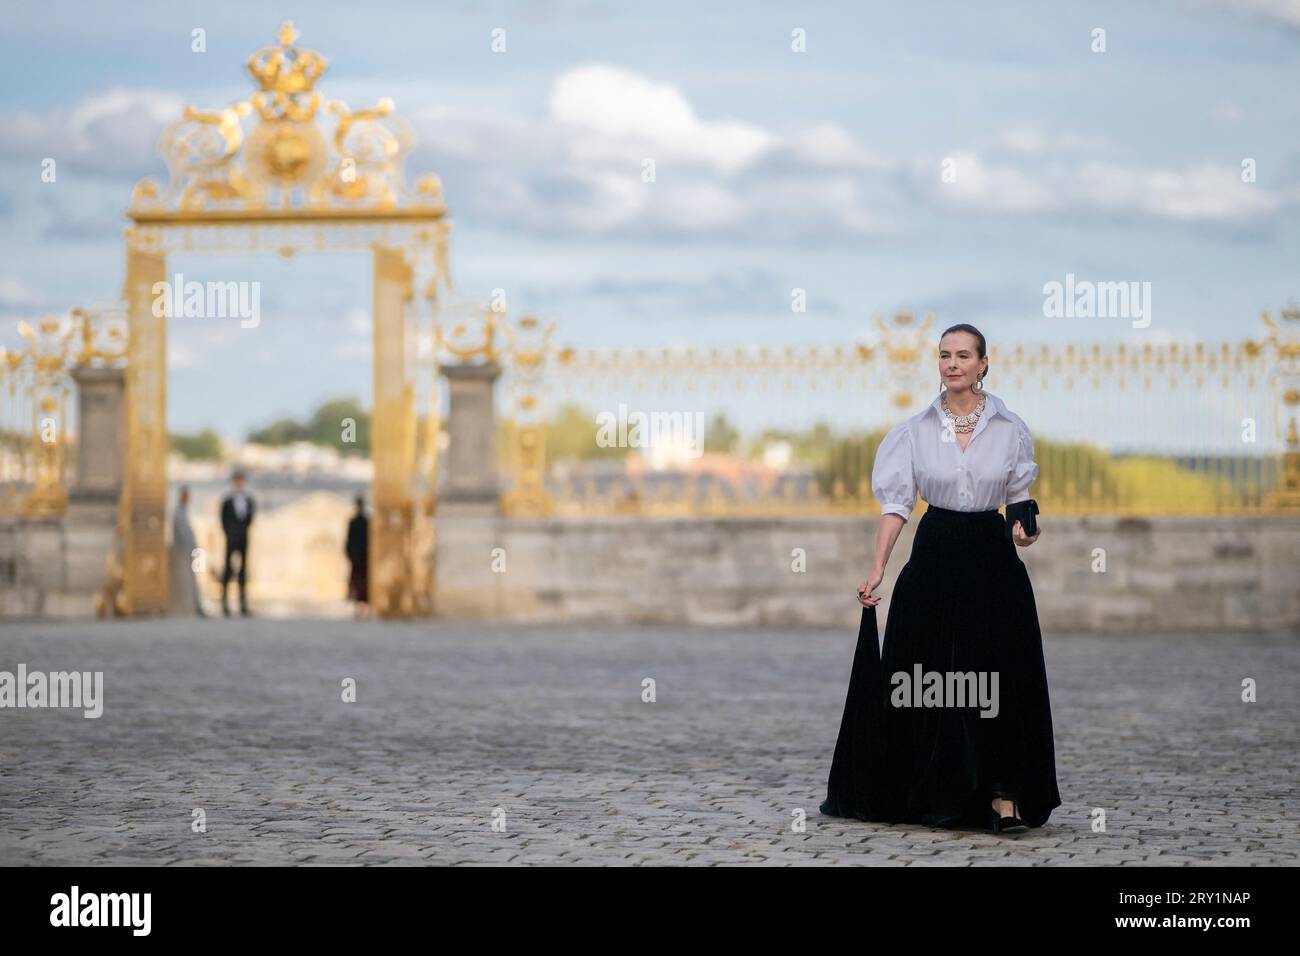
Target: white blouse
<point>923,454</point>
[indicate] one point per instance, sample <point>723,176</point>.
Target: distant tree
<point>719,436</point>
<point>202,446</point>
<point>280,432</point>
<point>571,435</point>
<point>327,425</point>
<point>846,459</point>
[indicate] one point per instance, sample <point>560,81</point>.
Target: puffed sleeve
<point>1023,471</point>
<point>892,481</point>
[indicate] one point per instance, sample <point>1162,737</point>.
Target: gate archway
<point>285,172</point>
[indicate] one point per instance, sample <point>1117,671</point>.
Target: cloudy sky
<point>775,169</point>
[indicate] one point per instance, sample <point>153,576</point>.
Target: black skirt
<point>962,605</point>
<point>359,582</point>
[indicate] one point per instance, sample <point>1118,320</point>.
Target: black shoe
<point>1011,824</point>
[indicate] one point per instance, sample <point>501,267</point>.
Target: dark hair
<point>360,501</point>
<point>979,337</point>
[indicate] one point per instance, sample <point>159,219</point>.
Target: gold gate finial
<point>286,68</point>
<point>300,153</point>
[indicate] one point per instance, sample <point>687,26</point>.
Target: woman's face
<point>960,364</point>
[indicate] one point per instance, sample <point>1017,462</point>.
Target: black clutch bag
<point>1022,511</point>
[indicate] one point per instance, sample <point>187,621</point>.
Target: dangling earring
<point>979,384</point>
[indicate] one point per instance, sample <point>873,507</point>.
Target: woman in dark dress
<point>962,608</point>
<point>358,552</point>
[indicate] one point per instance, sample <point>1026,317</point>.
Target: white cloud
<point>356,339</point>
<point>117,130</point>
<point>358,324</point>
<point>622,105</point>
<point>996,189</point>
<point>17,295</point>
<point>698,207</point>
<point>1033,140</point>
<point>1204,192</point>
<point>826,145</point>
<point>577,169</point>
<point>1024,139</point>
<point>179,354</point>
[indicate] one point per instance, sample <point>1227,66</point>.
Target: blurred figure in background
<point>358,552</point>
<point>236,516</point>
<point>184,586</point>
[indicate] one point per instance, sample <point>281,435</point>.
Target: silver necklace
<point>962,423</point>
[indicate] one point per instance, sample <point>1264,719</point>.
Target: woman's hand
<point>1018,535</point>
<point>865,597</point>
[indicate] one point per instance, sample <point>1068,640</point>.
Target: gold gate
<point>301,178</point>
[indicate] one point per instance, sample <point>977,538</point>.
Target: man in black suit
<point>236,516</point>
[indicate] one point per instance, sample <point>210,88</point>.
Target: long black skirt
<point>962,603</point>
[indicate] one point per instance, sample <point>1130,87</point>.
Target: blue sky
<point>819,170</point>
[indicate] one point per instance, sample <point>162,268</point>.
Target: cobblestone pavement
<point>244,720</point>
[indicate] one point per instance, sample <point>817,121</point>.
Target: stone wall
<point>1161,574</point>
<point>54,567</point>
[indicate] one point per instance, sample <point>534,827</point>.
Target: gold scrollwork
<point>528,348</point>
<point>36,402</point>
<point>471,337</point>
<point>289,162</point>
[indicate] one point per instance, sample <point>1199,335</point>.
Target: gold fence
<point>1119,428</point>
<point>36,387</point>
<point>1199,428</point>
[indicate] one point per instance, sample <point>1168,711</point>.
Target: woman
<point>357,549</point>
<point>184,586</point>
<point>962,607</point>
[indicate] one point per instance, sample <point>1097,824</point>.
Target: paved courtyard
<point>501,744</point>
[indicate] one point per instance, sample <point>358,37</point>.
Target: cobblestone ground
<point>244,719</point>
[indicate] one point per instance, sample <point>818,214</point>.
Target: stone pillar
<point>468,524</point>
<point>90,525</point>
<point>101,435</point>
<point>471,432</point>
